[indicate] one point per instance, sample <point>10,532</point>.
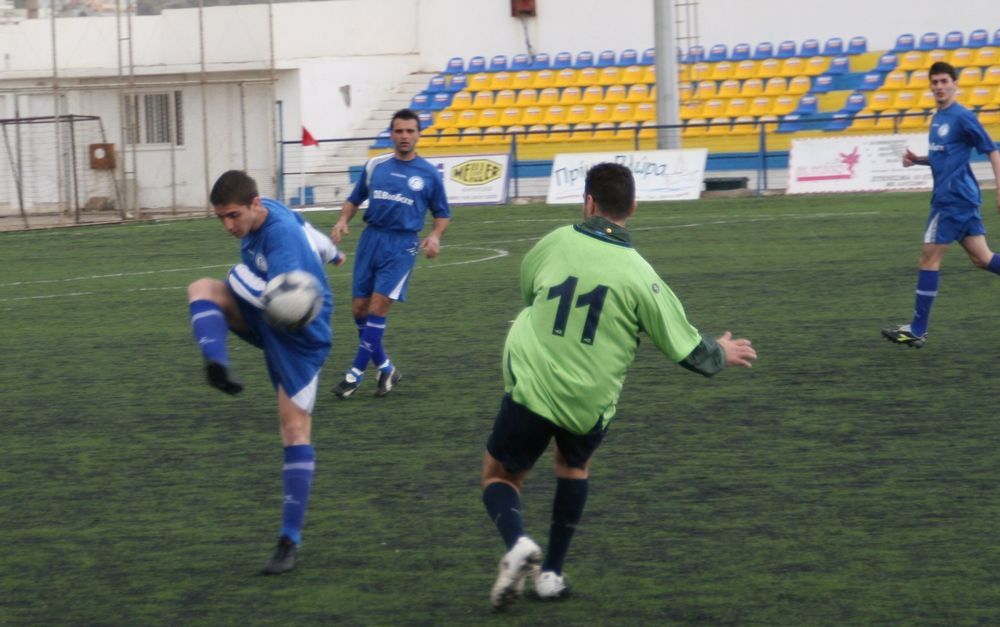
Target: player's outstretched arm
<point>911,158</point>
<point>340,228</point>
<point>739,351</point>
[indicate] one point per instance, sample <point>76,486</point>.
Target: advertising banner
<point>659,174</point>
<point>858,163</point>
<point>474,179</point>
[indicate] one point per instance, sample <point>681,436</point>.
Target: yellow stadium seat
<point>448,137</point>
<point>761,105</point>
<point>622,111</point>
<point>960,57</point>
<point>768,123</point>
<point>776,86</point>
<point>792,66</point>
<point>627,131</point>
<point>799,85</point>
<point>544,78</point>
<point>962,95</point>
<point>632,75</point>
<point>864,120</point>
<point>881,100</point>
<point>495,135</point>
<point>609,75</point>
<point>887,120</point>
<point>700,72</point>
<point>480,81</point>
<point>729,88</point>
<point>752,87</point>
<point>527,97</point>
<point>645,111</point>
<point>912,60</point>
<point>510,116</point>
<point>566,77</point>
<point>548,96</point>
<point>706,90</point>
<point>981,95</point>
<point>719,126</point>
<point>472,135</point>
<point>714,107</point>
<point>489,117</point>
<point>691,109</point>
<point>918,79</point>
<point>895,79</point>
<point>736,107</point>
<point>986,56</point>
<point>560,132</point>
<point>600,112</point>
<point>523,80</point>
<point>936,56</point>
<point>768,68</point>
<point>593,94</point>
<point>614,93</point>
<point>646,130</point>
<point>695,128</point>
<point>461,100</point>
<point>445,119</point>
<point>554,114</point>
<point>604,130</point>
<point>504,98</point>
<point>913,118</point>
<point>926,100</point>
<point>745,69</point>
<point>532,115</point>
<point>722,70</point>
<point>744,125</point>
<point>586,76</point>
<point>905,99</point>
<point>649,74</point>
<point>817,65</point>
<point>570,95</point>
<point>991,75</point>
<point>502,80</point>
<point>467,118</point>
<point>584,131</point>
<point>638,93</point>
<point>577,113</point>
<point>684,90</point>
<point>537,134</point>
<point>429,137</point>
<point>783,105</point>
<point>989,117</point>
<point>483,100</point>
<point>516,132</point>
<point>969,77</point>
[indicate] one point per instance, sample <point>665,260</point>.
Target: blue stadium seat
<point>606,58</point>
<point>857,45</point>
<point>786,49</point>
<point>458,82</point>
<point>436,84</point>
<point>440,101</point>
<point>871,81</point>
<point>584,59</point>
<point>629,56</point>
<point>718,52</point>
<point>838,66</point>
<point>954,39</point>
<point>978,38</point>
<point>929,41</point>
<point>887,63</point>
<point>498,63</point>
<point>541,61</point>
<point>520,62</point>
<point>764,50</point>
<point>562,60</point>
<point>648,57</point>
<point>426,120</point>
<point>476,64</point>
<point>808,105</point>
<point>695,54</point>
<point>809,48</point>
<point>833,47</point>
<point>741,52</point>
<point>420,102</point>
<point>456,65</point>
<point>996,38</point>
<point>904,43</point>
<point>822,84</point>
<point>790,123</point>
<point>840,122</point>
<point>855,102</point>
<point>384,140</point>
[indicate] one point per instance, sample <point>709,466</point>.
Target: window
<point>150,119</point>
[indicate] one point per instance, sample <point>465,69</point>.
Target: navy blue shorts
<point>520,436</point>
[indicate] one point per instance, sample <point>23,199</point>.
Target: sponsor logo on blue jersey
<point>379,194</point>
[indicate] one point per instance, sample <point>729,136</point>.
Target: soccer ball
<point>292,300</point>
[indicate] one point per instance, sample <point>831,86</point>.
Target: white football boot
<point>519,562</point>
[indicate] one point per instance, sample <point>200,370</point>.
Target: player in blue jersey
<point>955,199</point>
<point>274,240</point>
<point>400,188</point>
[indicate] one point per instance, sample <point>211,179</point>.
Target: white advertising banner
<point>859,163</point>
<point>659,174</point>
<point>474,179</point>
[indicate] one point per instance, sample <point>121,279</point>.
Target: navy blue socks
<point>567,509</point>
<point>503,504</point>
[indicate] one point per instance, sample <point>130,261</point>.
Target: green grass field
<point>841,481</point>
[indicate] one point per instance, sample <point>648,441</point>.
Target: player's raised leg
<point>213,311</point>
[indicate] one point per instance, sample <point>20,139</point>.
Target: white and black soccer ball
<point>292,300</point>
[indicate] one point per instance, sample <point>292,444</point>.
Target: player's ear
<point>589,206</point>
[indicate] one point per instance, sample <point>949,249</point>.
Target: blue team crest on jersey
<point>416,183</point>
<point>261,262</point>
<point>943,130</point>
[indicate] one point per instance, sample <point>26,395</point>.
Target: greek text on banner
<point>659,174</point>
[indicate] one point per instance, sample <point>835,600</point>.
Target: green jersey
<point>589,294</point>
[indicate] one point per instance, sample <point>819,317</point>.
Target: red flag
<point>308,139</point>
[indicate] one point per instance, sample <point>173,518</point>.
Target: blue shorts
<point>293,361</point>
<point>384,262</point>
<point>947,226</point>
<point>520,436</point>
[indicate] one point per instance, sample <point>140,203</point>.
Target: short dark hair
<point>234,186</point>
<point>405,114</point>
<point>612,187</point>
<point>940,67</point>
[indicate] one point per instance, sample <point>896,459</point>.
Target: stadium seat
<point>609,75</point>
<point>440,101</point>
<point>855,102</point>
<point>420,102</point>
<point>718,52</point>
<point>817,65</point>
<point>784,105</point>
<point>738,106</point>
<point>483,100</point>
<point>577,113</point>
<point>570,95</point>
<point>937,55</point>
<point>895,80</point>
<point>881,100</point>
<point>912,119</point>
<point>722,70</point>
<point>648,57</point>
<point>584,131</point>
<point>790,123</point>
<point>809,48</point>
<point>504,98</point>
<point>768,68</point>
<point>714,107</point>
<point>476,64</point>
<point>706,90</point>
<point>929,41</point>
<point>695,54</point>
<point>969,76</point>
<point>986,56</point>
<point>763,50</point>
<point>926,100</point>
<point>498,63</point>
<point>807,105</point>
<point>536,134</point>
<point>838,66</point>
<point>523,79</point>
<point>632,74</point>
<point>691,109</point>
<point>647,130</point>
<point>870,81</point>
<point>905,99</point>
<point>904,43</point>
<point>649,74</point>
<point>510,116</point>
<point>799,85</point>
<point>834,47</point>
<point>497,81</point>
<point>600,112</point>
<point>470,135</point>
<point>857,45</point>
<point>458,82</point>
<point>721,125</point>
<point>532,115</point>
<point>426,119</point>
<point>548,96</point>
<point>445,119</point>
<point>761,105</point>
<point>628,130</point>
<point>729,88</point>
<point>700,71</point>
<point>745,69</point>
<point>593,94</point>
<point>541,61</point>
<point>449,137</point>
<point>560,132</point>
<point>615,93</point>
<point>960,57</point>
<point>864,120</point>
<point>456,65</point>
<point>604,131</point>
<point>584,59</point>
<point>629,56</point>
<point>953,39</point>
<point>461,100</point>
<point>605,59</point>
<point>978,38</point>
<point>622,111</point>
<point>918,79</point>
<point>887,63</point>
<point>786,49</point>
<point>495,135</point>
<point>740,52</point>
<point>562,60</point>
<point>566,77</point>
<point>554,114</point>
<point>840,121</point>
<point>991,75</point>
<point>822,84</point>
<point>981,95</point>
<point>776,86</point>
<point>989,117</point>
<point>467,118</point>
<point>695,127</point>
<point>640,92</point>
<point>544,78</point>
<point>526,97</point>
<point>437,83</point>
<point>912,60</point>
<point>587,76</point>
<point>480,81</point>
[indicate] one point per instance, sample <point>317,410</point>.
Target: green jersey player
<point>589,295</point>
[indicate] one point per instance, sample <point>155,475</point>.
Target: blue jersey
<point>400,193</point>
<point>955,131</point>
